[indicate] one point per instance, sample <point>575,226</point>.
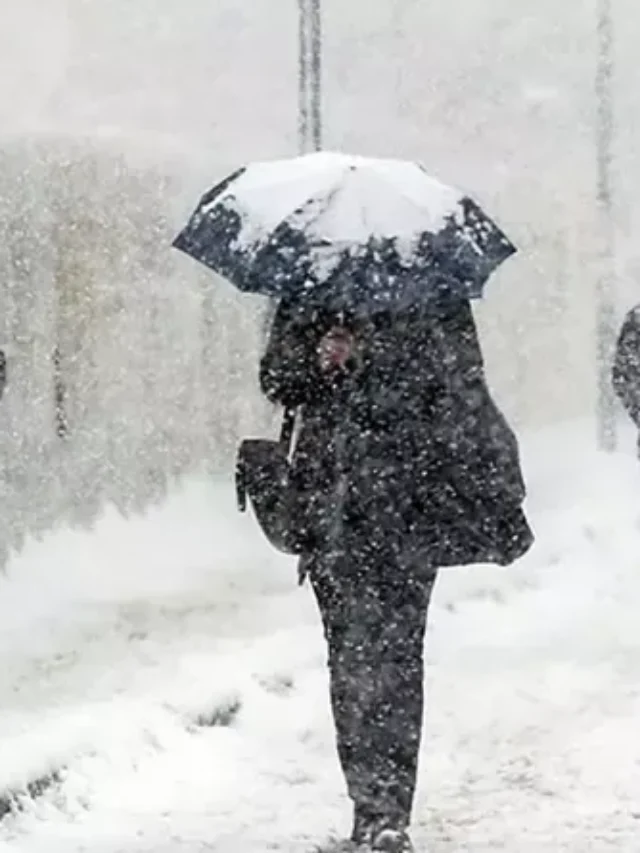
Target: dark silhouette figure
<point>403,465</point>
<point>626,367</point>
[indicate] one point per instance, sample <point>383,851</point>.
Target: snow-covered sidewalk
<point>172,672</point>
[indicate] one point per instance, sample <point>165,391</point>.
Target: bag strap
<point>286,430</point>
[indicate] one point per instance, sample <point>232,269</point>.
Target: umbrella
<point>359,232</point>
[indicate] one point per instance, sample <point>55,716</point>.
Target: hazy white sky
<point>496,97</point>
<point>400,76</point>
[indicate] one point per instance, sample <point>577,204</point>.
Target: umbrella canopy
<point>357,231</point>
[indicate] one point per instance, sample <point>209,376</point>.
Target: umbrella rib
<point>323,206</point>
<point>327,199</point>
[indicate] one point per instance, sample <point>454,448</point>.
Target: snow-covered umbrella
<point>358,232</point>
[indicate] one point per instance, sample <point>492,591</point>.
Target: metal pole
<point>316,75</point>
<point>309,92</point>
<point>303,76</point>
<point>310,76</point>
<point>606,285</point>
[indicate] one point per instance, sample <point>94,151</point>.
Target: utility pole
<point>310,76</point>
<point>309,93</point>
<point>606,284</point>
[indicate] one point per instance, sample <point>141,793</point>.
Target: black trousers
<point>374,614</point>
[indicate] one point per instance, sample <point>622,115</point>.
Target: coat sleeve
<point>289,371</point>
<point>626,365</point>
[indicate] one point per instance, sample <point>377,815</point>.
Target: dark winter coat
<point>405,449</point>
<point>626,365</point>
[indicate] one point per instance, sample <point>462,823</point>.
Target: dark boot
<point>392,841</point>
<point>378,832</point>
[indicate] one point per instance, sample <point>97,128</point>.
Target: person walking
<point>403,465</point>
<point>625,374</point>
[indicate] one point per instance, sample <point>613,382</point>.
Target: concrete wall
<point>156,357</point>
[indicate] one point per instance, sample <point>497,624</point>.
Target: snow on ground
<point>172,671</point>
